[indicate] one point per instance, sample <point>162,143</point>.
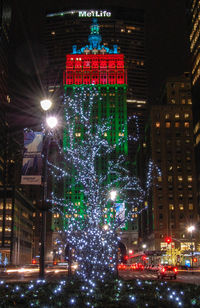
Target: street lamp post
<point>190,230</point>
<point>51,123</point>
<point>113,195</point>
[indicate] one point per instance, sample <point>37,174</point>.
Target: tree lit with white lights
<point>93,223</point>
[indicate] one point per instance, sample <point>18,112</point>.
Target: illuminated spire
<point>94,38</point>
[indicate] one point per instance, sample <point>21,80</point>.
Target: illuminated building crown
<point>94,46</point>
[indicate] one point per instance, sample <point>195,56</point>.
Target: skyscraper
<point>173,204</point>
<point>194,32</point>
<point>99,66</point>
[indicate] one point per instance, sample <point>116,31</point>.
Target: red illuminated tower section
<point>96,64</point>
<point>100,69</point>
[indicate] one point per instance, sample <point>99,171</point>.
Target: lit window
<point>8,217</point>
<point>170,178</point>
<point>163,246</point>
<point>173,101</point>
<point>177,124</point>
<point>177,116</point>
<point>186,115</point>
<point>181,207</point>
<point>105,134</point>
<point>7,229</point>
<point>189,101</point>
<point>187,246</point>
<point>8,206</point>
<point>189,178</point>
<point>34,214</point>
<point>122,30</point>
<point>187,124</point>
<point>55,215</point>
<point>167,116</point>
<point>168,124</point>
<point>1,206</point>
<point>190,206</point>
<point>157,124</point>
<point>77,134</point>
<point>53,32</point>
<point>171,207</point>
<point>159,178</point>
<point>180,178</point>
<point>183,101</point>
<point>8,98</point>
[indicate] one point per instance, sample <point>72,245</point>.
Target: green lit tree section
<point>109,112</point>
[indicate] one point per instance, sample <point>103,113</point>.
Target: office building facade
<point>194,38</point>
<point>172,206</point>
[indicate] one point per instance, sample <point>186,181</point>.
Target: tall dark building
<point>172,207</point>
<point>5,21</point>
<point>194,37</point>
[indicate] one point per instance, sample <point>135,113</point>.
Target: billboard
<point>120,213</point>
<point>32,158</point>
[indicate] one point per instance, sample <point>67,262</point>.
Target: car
<point>133,266</point>
<point>121,266</point>
<point>137,266</point>
<point>167,271</point>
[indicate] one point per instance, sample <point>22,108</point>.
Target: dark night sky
<point>167,52</point>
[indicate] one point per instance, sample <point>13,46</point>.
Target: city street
<point>183,276</point>
<point>55,274</point>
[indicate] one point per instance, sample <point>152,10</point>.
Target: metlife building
<point>124,27</point>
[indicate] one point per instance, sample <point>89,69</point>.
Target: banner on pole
<point>120,213</point>
<point>32,158</point>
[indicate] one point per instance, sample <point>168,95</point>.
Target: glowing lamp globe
<point>113,195</point>
<point>46,104</point>
<point>191,228</point>
<point>52,122</point>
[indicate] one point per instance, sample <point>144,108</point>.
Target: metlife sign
<point>92,13</point>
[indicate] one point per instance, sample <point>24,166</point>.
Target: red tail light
<point>175,270</point>
<point>163,270</point>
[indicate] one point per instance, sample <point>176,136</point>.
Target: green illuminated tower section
<point>96,65</point>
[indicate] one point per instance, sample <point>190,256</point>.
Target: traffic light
<point>194,260</point>
<point>168,239</point>
<point>126,257</point>
<point>34,261</point>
